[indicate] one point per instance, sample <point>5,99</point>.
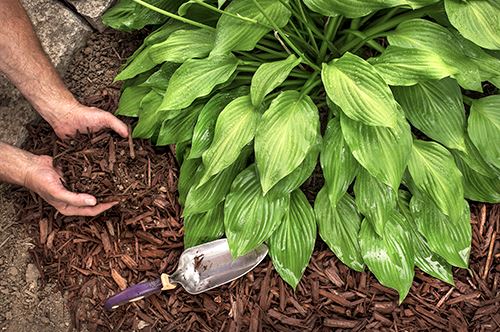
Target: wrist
<point>16,164</point>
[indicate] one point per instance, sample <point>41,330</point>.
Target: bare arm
<point>25,63</point>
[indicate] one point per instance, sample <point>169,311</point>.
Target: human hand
<point>74,117</point>
<point>44,179</point>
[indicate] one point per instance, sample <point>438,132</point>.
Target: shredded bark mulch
<point>142,237</point>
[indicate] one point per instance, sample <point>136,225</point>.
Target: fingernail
<point>90,201</point>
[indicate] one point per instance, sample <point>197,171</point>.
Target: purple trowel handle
<point>134,293</point>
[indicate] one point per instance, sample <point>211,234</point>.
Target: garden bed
<point>91,258</point>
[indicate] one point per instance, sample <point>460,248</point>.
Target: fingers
<point>117,125</point>
<point>73,199</point>
<point>89,211</point>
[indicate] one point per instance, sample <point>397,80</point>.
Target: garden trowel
<point>200,268</point>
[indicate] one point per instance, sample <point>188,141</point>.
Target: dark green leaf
<point>130,100</point>
<point>374,199</point>
<point>435,174</point>
<point>250,217</point>
<point>382,151</point>
<point>180,128</point>
<point>339,227</point>
<point>479,187</point>
<point>450,239</point>
<point>391,257</point>
<point>292,244</point>
<point>204,227</point>
<point>338,164</point>
<point>187,178</point>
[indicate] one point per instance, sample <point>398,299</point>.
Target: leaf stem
<point>331,29</point>
<point>236,16</point>
<point>310,84</point>
<point>373,44</point>
<point>173,16</point>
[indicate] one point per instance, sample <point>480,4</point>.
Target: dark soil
<point>92,258</point>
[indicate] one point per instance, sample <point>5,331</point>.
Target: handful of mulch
<point>115,169</point>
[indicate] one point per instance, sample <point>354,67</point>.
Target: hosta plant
<point>385,95</point>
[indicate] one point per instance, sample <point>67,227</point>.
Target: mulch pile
<point>92,258</point>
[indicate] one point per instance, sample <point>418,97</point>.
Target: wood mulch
<point>91,258</point>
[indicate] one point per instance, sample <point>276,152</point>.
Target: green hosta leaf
<point>484,128</point>
<point>140,64</point>
<point>382,151</point>
<point>357,87</point>
<point>130,100</point>
<point>425,259</point>
<point>234,129</point>
<point>202,198</point>
<point>295,179</point>
<point>338,164</point>
<point>478,21</point>
<point>391,257</point>
<point>435,173</point>
<point>205,126</point>
<point>286,133</point>
<point>404,66</point>
<point>435,108</point>
<point>448,238</point>
<point>269,76</point>
<point>183,45</point>
<point>250,217</point>
<point>149,119</point>
<point>479,187</point>
<point>359,8</point>
<point>197,78</point>
<point>180,128</point>
<point>375,200</point>
<point>234,34</point>
<point>160,79</point>
<point>339,228</point>
<point>425,35</point>
<point>292,244</point>
<point>204,227</point>
<point>187,177</point>
<point>472,157</point>
<point>127,15</point>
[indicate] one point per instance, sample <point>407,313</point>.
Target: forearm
<point>14,164</point>
<point>25,63</point>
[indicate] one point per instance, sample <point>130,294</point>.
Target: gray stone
<point>32,275</point>
<point>92,10</point>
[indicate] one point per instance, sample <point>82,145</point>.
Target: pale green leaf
<point>484,128</point>
<point>450,239</point>
<point>339,228</point>
<point>472,157</point>
<point>286,133</point>
<point>250,217</point>
<point>159,80</point>
<point>234,34</point>
<point>477,186</point>
<point>357,87</point>
<point>205,126</point>
<point>426,35</point>
<point>182,45</point>
<point>435,174</point>
<point>383,151</point>
<point>338,164</point>
<point>204,227</point>
<point>390,258</point>
<point>292,244</point>
<point>202,198</point>
<point>180,128</point>
<point>375,200</point>
<point>436,109</point>
<point>130,100</point>
<point>425,259</point>
<point>234,129</point>
<point>404,66</point>
<point>149,119</point>
<point>140,64</point>
<point>478,21</point>
<point>197,78</point>
<point>269,76</point>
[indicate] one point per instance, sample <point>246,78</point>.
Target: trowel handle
<point>134,293</point>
